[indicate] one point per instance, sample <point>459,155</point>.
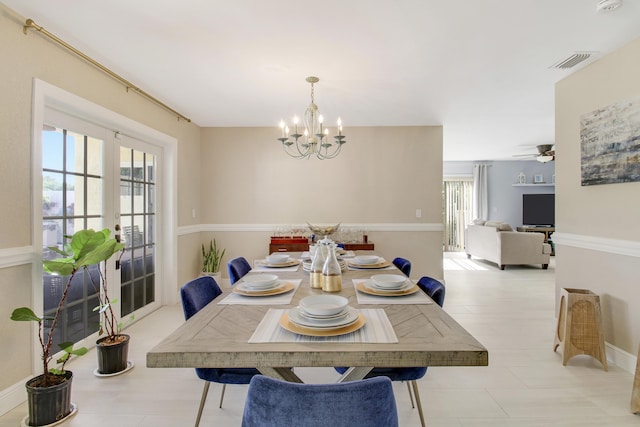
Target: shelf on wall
<point>542,184</point>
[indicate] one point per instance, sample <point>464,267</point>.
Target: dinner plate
<point>373,285</point>
<point>289,263</point>
<point>304,313</point>
<point>249,288</point>
<point>366,259</point>
<point>285,323</point>
<point>362,287</point>
<point>381,264</point>
<point>260,281</point>
<point>300,320</point>
<point>281,289</point>
<point>389,281</point>
<point>324,305</point>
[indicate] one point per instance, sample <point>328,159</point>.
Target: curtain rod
<point>29,23</point>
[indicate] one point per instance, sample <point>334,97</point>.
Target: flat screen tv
<point>538,209</point>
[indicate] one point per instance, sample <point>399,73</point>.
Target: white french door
<point>136,219</point>
<point>96,178</point>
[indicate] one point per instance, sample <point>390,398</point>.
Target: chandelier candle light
<point>314,141</point>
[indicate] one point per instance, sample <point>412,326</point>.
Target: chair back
<point>434,288</point>
<point>403,265</point>
<point>197,293</point>
<point>237,268</point>
<point>275,403</point>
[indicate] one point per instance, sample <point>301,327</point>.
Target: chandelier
<point>314,141</point>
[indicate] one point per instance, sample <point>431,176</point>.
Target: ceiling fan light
<point>544,159</point>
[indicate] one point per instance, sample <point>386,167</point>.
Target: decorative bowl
<point>320,230</point>
<point>323,305</point>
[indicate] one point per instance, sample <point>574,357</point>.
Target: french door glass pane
<point>72,193</point>
<point>137,218</point>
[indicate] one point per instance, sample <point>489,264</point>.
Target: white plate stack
<point>389,283</point>
<point>323,312</point>
<point>259,283</point>
<point>367,260</point>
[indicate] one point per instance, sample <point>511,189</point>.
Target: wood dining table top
<point>218,337</point>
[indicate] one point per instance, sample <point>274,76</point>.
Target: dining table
<point>243,331</point>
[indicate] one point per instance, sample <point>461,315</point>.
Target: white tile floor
<point>511,312</point>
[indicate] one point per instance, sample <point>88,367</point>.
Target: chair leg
<point>202,400</point>
<point>410,394</point>
<point>417,394</point>
<point>224,387</point>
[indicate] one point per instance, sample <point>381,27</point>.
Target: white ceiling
<point>479,68</point>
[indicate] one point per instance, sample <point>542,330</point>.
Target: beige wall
<point>602,213</point>
<point>23,58</point>
<point>228,176</point>
<point>381,177</point>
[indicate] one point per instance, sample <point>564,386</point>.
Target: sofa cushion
<point>498,225</point>
<point>479,221</point>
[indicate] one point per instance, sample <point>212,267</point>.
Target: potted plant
<point>113,348</point>
<point>49,394</point>
<point>211,259</point>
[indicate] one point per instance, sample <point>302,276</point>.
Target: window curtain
<point>456,200</point>
<point>480,193</point>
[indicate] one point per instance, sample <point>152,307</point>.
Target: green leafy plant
<point>86,248</point>
<point>211,258</point>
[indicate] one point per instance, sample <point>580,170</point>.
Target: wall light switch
<point>193,213</point>
<point>418,213</point>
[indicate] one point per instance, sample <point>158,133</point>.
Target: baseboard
<point>13,396</point>
<point>625,361</point>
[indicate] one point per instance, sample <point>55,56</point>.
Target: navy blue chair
<point>237,268</point>
<point>403,265</point>
<point>195,295</point>
<point>436,291</point>
<point>275,403</point>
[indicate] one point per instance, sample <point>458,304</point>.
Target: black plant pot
<point>112,358</point>
<point>48,404</point>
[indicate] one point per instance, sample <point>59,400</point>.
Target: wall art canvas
<point>610,143</point>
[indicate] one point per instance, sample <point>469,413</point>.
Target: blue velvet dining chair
<point>275,403</point>
<point>237,268</point>
<point>195,295</point>
<point>436,291</point>
<point>403,265</point>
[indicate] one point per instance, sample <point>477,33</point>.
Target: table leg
<point>284,374</point>
<point>355,373</point>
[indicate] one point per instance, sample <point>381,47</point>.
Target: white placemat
<point>378,329</point>
<point>415,298</point>
<point>259,265</point>
<point>280,299</point>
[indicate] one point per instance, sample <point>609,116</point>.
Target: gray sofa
<point>495,241</point>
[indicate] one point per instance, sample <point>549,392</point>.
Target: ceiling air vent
<point>572,60</point>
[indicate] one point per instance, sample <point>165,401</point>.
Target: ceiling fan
<point>545,153</point>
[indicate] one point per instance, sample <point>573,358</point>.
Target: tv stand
<point>547,231</point>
